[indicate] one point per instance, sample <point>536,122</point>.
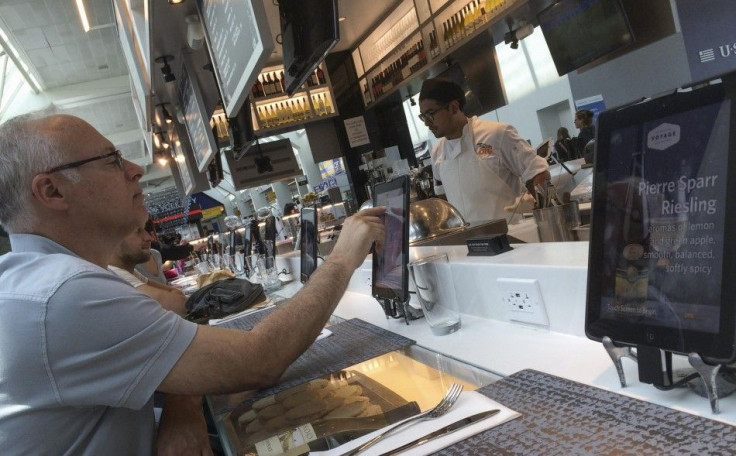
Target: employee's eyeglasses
<point>116,153</point>
<point>428,115</point>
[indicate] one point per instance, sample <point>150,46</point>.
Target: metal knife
<point>456,426</point>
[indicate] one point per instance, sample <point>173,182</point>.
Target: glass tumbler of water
<point>435,289</point>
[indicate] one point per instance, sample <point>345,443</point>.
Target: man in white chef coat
<point>483,166</point>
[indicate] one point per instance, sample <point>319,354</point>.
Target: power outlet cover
<point>522,299</point>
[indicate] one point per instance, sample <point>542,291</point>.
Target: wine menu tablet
<point>661,258</point>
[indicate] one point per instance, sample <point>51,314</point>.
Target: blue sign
<point>595,104</point>
<point>710,36</point>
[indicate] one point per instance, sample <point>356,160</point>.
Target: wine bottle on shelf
<point>266,85</point>
<point>305,109</point>
<point>480,14</point>
<point>321,76</point>
<point>294,112</point>
<point>320,105</point>
<point>259,87</point>
<point>274,116</point>
<point>283,83</point>
<point>275,84</point>
<point>461,23</point>
<point>328,105</point>
<point>261,116</point>
<point>453,30</point>
<point>467,20</point>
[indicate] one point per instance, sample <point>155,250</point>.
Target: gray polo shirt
<point>81,354</point>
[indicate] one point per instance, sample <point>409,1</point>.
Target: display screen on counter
<point>308,242</point>
<point>661,261</point>
<point>390,274</point>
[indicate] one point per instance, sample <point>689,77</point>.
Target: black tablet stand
<point>394,308</point>
<point>651,371</point>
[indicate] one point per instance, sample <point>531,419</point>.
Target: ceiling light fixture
<point>342,19</point>
<point>165,113</point>
<point>166,72</point>
<point>83,15</point>
<point>20,65</point>
<point>175,2</point>
<point>162,158</point>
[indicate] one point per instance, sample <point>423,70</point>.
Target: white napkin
<point>469,403</point>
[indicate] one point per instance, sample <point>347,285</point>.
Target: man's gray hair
<point>24,152</point>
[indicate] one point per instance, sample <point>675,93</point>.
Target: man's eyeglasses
<point>428,115</point>
<point>116,153</point>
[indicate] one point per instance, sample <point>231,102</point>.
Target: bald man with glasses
<point>483,166</point>
<point>83,351</point>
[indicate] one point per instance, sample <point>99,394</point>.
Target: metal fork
<point>451,396</point>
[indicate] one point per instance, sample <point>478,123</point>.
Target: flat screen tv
<point>390,284</point>
<point>662,260</point>
<point>308,244</point>
<point>580,31</point>
<point>265,163</point>
<point>309,30</point>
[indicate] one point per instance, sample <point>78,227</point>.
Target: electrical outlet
<point>522,300</point>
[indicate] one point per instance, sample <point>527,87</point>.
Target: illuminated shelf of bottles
<point>400,24</point>
<point>272,109</point>
<point>399,66</point>
<point>461,20</point>
<point>303,107</point>
<point>453,24</point>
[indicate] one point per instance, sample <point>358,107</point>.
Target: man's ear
<point>454,106</point>
<point>46,192</point>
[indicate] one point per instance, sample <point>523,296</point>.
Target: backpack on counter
<point>222,298</point>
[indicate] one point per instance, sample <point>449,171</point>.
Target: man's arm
<point>182,429</point>
<point>222,360</point>
<point>169,297</point>
<point>540,179</point>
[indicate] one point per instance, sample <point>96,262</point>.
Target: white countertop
<point>489,340</point>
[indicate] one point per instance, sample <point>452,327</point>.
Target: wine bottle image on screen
<point>632,267</point>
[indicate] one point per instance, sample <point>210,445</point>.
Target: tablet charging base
<point>710,384</point>
<point>394,308</point>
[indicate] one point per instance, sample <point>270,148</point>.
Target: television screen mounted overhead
<point>309,30</point>
<point>239,42</point>
<point>580,31</point>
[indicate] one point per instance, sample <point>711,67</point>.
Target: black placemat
<point>562,417</point>
<point>352,342</point>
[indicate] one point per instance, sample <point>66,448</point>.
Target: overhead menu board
<point>239,41</point>
<point>180,161</point>
<point>196,119</point>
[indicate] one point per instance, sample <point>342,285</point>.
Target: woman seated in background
<point>563,145</point>
<point>584,122</point>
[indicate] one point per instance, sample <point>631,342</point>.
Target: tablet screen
<point>308,243</point>
<point>390,275</point>
<point>659,264</point>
